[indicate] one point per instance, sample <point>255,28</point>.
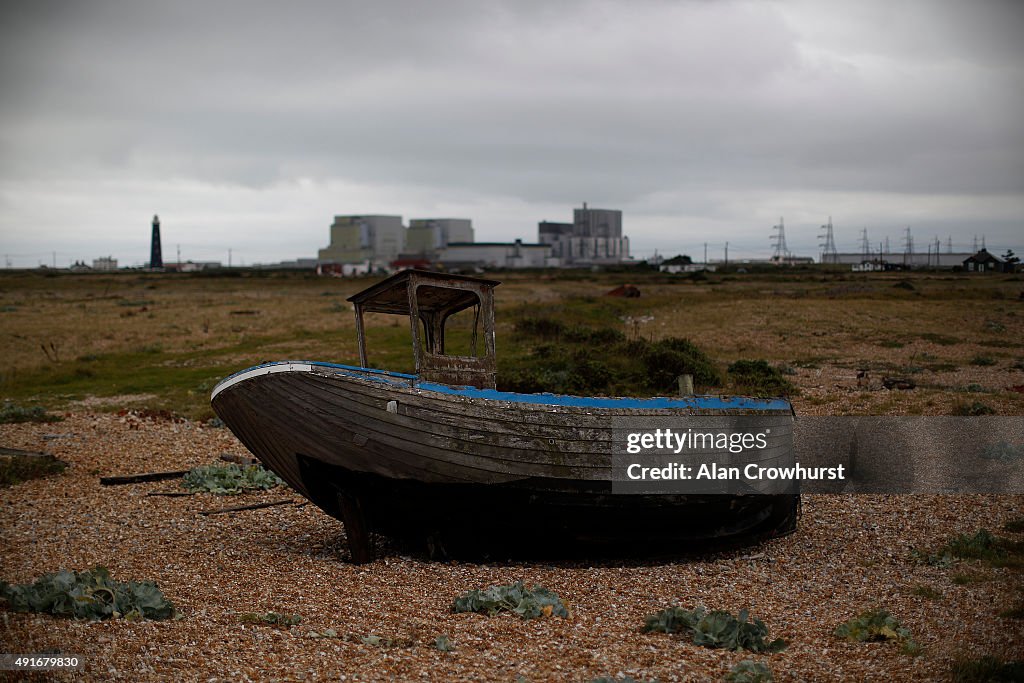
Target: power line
<point>828,251</point>
<point>779,240</point>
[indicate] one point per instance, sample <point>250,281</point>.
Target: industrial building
<point>593,238</point>
<point>426,236</point>
<point>471,255</point>
<point>372,240</point>
<point>367,243</point>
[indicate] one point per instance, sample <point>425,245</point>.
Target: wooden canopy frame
<point>431,298</point>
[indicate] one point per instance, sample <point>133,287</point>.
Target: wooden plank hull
<point>478,471</point>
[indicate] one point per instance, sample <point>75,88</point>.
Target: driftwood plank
<point>238,459</point>
<point>23,454</point>
<point>255,506</point>
<point>139,478</point>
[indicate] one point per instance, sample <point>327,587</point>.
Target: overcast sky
<point>248,125</point>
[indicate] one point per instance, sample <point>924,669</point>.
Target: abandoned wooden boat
<point>442,458</point>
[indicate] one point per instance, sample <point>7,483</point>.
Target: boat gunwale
<point>411,382</point>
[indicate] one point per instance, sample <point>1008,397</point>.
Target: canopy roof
<point>445,292</point>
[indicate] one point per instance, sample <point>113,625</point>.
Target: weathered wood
<point>141,478</point>
<point>356,530</point>
<point>431,438</point>
<point>239,508</point>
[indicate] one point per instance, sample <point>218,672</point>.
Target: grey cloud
<point>543,102</point>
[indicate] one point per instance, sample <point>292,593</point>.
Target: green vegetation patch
<point>15,468</point>
<point>11,413</point>
<point>91,594</point>
<point>227,480</point>
<point>1015,525</point>
<point>749,671</point>
<point>582,359</point>
<point>993,550</point>
<point>926,591</point>
<point>875,626</point>
<point>982,545</point>
<point>1016,612</point>
<point>973,409</point>
<point>715,629</point>
<point>758,378</point>
<point>987,669</point>
<point>516,598</point>
<point>940,339</point>
<point>666,359</point>
<point>270,618</point>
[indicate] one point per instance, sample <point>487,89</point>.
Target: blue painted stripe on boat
<point>698,402</point>
<point>712,402</point>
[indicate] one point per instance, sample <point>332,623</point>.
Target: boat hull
<point>470,472</point>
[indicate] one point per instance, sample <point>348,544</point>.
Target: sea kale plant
<point>230,479</point>
<point>877,625</point>
<point>91,594</point>
<point>715,629</point>
<point>516,598</point>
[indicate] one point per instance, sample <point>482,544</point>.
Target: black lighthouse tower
<point>156,259</point>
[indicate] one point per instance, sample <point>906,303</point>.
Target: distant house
<point>104,263</point>
<point>191,266</point>
<point>345,269</point>
<point>984,262</point>
<point>684,264</point>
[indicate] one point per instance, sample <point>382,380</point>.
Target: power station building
<point>427,236</point>
<point>470,255</point>
<point>368,243</point>
<point>593,238</point>
<point>372,240</point>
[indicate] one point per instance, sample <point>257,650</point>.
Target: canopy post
<point>414,323</point>
<point>361,336</point>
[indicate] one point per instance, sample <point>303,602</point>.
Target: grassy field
<point>162,341</point>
